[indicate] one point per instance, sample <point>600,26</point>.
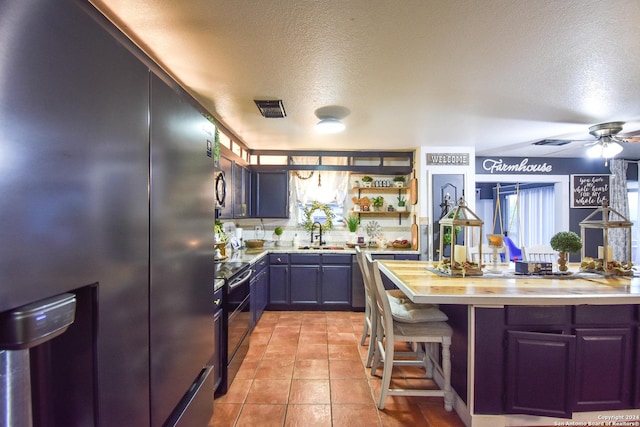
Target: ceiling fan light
<point>330,125</point>
<point>595,151</point>
<point>610,149</point>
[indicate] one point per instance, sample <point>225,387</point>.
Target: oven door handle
<point>240,280</point>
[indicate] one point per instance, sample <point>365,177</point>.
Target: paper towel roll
<point>238,233</point>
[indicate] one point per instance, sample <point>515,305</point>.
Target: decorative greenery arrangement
<point>367,178</point>
<point>353,221</point>
<point>398,179</point>
<point>378,201</point>
<point>401,201</point>
<point>308,216</point>
<point>566,241</point>
<point>218,230</point>
<point>278,231</point>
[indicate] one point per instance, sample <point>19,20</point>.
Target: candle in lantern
<point>609,253</point>
<point>460,253</point>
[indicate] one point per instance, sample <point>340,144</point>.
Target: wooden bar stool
<point>425,335</point>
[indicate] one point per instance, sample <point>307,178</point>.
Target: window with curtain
<point>327,187</point>
<point>534,224</point>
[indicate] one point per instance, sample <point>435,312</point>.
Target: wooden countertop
<point>424,286</point>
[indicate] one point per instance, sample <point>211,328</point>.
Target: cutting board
<point>414,234</point>
<point>413,189</point>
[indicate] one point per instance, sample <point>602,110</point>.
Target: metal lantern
<point>463,217</point>
<point>606,218</point>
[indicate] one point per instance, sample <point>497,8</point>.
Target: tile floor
<point>307,369</point>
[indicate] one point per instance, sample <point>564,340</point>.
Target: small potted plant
<point>565,242</point>
<point>399,182</point>
<point>367,181</point>
<point>352,221</point>
<point>402,203</point>
<point>277,232</point>
<point>377,202</point>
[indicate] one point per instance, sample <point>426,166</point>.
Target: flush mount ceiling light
<point>330,125</point>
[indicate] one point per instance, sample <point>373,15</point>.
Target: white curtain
<point>534,225</point>
<point>620,203</point>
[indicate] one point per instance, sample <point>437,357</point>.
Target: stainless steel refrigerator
<point>107,192</point>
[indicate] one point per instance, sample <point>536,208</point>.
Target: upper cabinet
<point>270,194</point>
<point>237,181</point>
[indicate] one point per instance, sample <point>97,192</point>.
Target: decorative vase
<point>353,237</point>
<point>366,184</point>
<point>562,261</point>
<point>399,184</point>
<point>402,208</point>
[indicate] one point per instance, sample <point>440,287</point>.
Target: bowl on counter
<point>254,243</point>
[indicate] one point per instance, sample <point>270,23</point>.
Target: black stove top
<point>226,270</point>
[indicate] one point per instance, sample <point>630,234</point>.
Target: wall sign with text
<point>448,159</point>
<point>589,191</point>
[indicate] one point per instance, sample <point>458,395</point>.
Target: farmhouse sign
<point>589,191</point>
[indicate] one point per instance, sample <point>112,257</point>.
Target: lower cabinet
<point>558,360</point>
<point>310,281</point>
<point>540,370</point>
<point>305,281</point>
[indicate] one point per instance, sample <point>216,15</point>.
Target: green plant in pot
<point>377,202</point>
<point>366,181</point>
<point>353,221</point>
<point>402,203</point>
<point>565,242</point>
<point>277,233</point>
<point>399,181</point>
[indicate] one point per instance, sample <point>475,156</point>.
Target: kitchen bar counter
<point>532,351</point>
<point>424,286</point>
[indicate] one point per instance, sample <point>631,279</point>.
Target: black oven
<point>236,321</point>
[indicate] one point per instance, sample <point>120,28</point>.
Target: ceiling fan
<point>606,144</point>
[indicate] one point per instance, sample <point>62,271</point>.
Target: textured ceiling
<point>494,74</point>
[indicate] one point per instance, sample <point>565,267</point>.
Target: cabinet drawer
<point>538,315</point>
<point>313,259</point>
<point>260,264</point>
<point>336,259</point>
<point>603,314</point>
<point>278,259</point>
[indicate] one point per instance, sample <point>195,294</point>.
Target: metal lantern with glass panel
<point>464,218</point>
<point>606,218</point>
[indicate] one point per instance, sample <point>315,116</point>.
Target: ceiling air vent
<point>271,108</point>
<point>553,142</point>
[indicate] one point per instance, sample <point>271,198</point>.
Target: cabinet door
<point>336,284</point>
<point>304,284</point>
<point>240,191</point>
<point>278,284</point>
<point>603,367</point>
<point>226,210</point>
<point>271,194</point>
<point>540,372</point>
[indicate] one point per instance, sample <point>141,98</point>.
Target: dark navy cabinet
<point>310,281</point>
<point>305,278</point>
<point>278,280</point>
<point>238,186</point>
<point>556,360</point>
<point>270,194</point>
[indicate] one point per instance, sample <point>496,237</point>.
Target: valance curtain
<point>619,202</point>
<point>332,190</point>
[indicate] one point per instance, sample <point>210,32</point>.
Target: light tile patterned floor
<point>307,369</point>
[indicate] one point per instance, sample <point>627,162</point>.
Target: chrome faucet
<point>313,226</point>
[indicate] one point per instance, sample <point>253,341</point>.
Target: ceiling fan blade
<point>631,139</point>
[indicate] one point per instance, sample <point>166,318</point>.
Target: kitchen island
<point>530,350</point>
